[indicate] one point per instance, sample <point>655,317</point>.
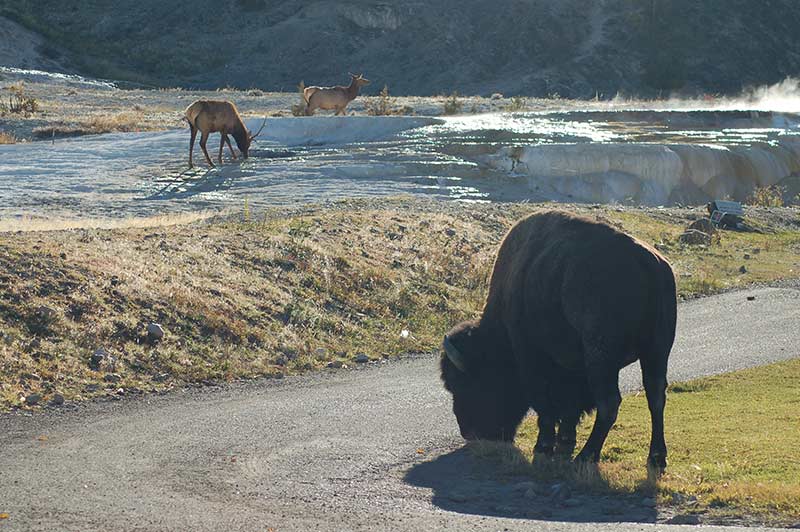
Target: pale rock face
<point>380,17</point>
<point>650,173</point>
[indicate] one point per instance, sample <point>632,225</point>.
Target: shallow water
<point>642,156</point>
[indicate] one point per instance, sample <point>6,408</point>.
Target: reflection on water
<point>639,156</point>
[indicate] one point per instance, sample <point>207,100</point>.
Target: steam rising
<point>783,97</point>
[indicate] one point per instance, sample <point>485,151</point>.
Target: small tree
<point>452,105</point>
<point>381,106</point>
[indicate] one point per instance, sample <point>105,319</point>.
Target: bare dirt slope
<point>577,48</point>
<point>22,48</point>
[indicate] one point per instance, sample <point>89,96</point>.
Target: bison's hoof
<point>544,448</point>
<point>656,465</point>
<point>565,448</point>
<point>587,457</point>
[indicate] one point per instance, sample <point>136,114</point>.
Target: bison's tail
<point>666,318</point>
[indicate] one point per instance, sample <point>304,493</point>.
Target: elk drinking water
<point>333,97</point>
<point>211,116</point>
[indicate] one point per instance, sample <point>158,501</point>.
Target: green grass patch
<point>732,441</point>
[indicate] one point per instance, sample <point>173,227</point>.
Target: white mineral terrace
<point>648,157</point>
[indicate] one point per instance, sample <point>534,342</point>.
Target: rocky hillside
<point>576,48</point>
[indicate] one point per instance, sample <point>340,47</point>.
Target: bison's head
<point>487,400</point>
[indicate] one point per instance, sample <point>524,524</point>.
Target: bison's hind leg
<point>654,379</point>
<point>603,377</point>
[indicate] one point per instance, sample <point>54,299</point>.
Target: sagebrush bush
<point>771,196</point>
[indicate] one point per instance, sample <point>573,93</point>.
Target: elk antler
<point>259,131</point>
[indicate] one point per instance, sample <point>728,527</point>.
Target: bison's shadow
<point>465,483</point>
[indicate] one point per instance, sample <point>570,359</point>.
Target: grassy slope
<point>284,293</point>
<point>732,442</point>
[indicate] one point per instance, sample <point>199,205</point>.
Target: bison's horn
<point>454,354</point>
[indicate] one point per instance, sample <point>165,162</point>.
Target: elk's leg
<point>233,153</point>
<point>191,145</point>
<point>309,109</point>
<point>203,140</point>
<point>654,379</point>
<point>604,386</point>
<point>222,136</point>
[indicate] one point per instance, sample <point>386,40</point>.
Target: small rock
<point>33,399</point>
<point>155,332</point>
<point>694,237</point>
<point>751,298</point>
<point>57,400</point>
<point>63,256</point>
<point>560,492</point>
<point>281,361</point>
<point>336,364</point>
<point>361,358</point>
<point>91,388</point>
<point>746,256</point>
<point>742,269</point>
<point>684,519</point>
<point>112,377</point>
<point>97,358</point>
<point>704,225</point>
<point>161,377</point>
<point>450,232</point>
<point>525,486</point>
<point>404,334</point>
<point>320,353</point>
<point>756,251</point>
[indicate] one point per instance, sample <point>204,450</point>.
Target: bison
<point>571,302</point>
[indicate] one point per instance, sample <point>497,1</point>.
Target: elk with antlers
<point>211,116</point>
<point>333,97</point>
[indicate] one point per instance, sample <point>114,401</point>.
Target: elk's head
<point>358,80</point>
<point>245,142</point>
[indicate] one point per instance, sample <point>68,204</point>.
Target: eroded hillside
<point>576,48</point>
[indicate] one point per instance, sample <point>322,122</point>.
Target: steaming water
<point>636,156</point>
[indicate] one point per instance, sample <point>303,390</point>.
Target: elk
<point>211,116</point>
<point>333,97</point>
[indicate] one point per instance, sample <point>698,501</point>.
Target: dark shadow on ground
<point>195,181</point>
<point>465,483</point>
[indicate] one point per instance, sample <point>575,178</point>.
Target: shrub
<point>7,138</point>
<point>771,196</point>
<point>382,105</point>
<point>452,105</point>
<point>19,102</point>
<point>518,103</point>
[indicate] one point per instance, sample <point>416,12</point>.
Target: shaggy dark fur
<point>571,302</point>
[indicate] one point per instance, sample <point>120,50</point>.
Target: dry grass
<point>29,224</point>
<point>7,138</point>
<point>733,449</point>
<point>274,293</point>
<point>121,122</point>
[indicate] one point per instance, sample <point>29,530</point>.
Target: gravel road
<point>372,448</point>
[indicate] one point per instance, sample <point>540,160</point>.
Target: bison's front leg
<point>567,435</point>
<point>604,385</point>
